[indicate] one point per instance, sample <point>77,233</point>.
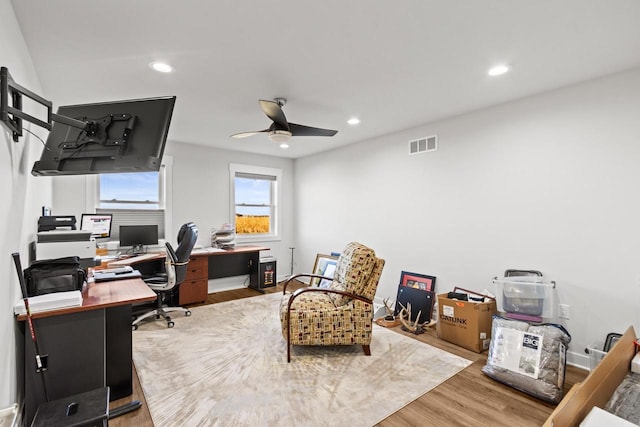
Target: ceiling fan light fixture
<point>499,70</point>
<point>161,67</point>
<point>284,145</point>
<point>280,136</point>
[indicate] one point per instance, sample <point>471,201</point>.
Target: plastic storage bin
<point>525,295</point>
<point>595,354</point>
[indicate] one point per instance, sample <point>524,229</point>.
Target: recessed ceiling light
<point>161,67</point>
<point>284,145</point>
<point>499,70</point>
<point>353,121</point>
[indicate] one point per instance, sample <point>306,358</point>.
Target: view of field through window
<point>252,224</point>
<point>253,205</point>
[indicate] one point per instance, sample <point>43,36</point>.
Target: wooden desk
<point>207,264</point>
<point>104,295</point>
<point>136,259</point>
<point>87,347</point>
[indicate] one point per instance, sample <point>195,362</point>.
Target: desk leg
<point>75,346</point>
<point>118,351</point>
<point>254,273</point>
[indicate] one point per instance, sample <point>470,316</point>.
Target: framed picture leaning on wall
<point>325,265</point>
<point>418,281</point>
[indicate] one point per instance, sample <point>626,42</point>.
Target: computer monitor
<point>98,224</point>
<point>138,236</point>
<point>121,136</point>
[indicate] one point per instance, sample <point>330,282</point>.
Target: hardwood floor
<point>469,398</point>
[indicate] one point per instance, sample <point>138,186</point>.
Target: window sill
<point>257,239</point>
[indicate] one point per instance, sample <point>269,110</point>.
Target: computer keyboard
<point>116,273</point>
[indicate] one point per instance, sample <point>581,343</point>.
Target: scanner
<point>57,222</point>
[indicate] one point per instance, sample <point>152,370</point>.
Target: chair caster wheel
<point>170,324</point>
<point>187,313</point>
<point>134,327</point>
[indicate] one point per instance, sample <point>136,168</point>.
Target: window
<point>254,202</point>
<point>137,198</point>
<point>137,190</point>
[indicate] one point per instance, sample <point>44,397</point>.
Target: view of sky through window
<point>131,187</point>
<point>253,192</point>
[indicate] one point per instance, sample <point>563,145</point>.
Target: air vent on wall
<point>422,145</point>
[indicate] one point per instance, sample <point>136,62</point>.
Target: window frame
<point>276,185</point>
<point>92,197</point>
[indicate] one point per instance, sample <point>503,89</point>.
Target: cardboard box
<point>467,324</point>
<point>598,387</point>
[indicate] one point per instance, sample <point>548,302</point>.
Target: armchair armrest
<point>284,287</point>
<point>326,291</point>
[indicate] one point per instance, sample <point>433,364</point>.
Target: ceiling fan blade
<point>275,113</point>
<point>246,134</point>
<point>301,130</point>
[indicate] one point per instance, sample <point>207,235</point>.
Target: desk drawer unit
<point>195,286</point>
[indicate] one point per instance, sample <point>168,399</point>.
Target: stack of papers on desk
<point>48,302</point>
<point>207,250</point>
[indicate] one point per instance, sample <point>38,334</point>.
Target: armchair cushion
<point>353,273</point>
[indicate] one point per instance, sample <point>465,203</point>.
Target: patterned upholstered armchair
<point>341,314</point>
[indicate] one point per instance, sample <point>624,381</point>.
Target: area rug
<point>225,365</point>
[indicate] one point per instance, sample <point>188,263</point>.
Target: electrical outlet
<point>564,311</point>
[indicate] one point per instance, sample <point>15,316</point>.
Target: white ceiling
<point>393,64</point>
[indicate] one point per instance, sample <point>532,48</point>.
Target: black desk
<point>234,262</point>
<point>88,347</point>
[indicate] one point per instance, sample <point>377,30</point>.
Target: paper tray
<point>46,302</point>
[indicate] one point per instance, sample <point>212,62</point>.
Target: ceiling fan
<point>281,130</point>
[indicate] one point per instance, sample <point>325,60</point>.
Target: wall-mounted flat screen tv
<point>120,136</point>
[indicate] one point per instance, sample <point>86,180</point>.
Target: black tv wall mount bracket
<point>11,114</point>
<point>97,131</point>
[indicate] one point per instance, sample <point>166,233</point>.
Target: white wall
<point>23,195</point>
<point>547,183</point>
<point>200,193</point>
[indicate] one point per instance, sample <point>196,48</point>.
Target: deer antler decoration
<point>415,327</point>
<point>386,306</point>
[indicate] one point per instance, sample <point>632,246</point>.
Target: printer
<point>59,239</point>
<point>63,243</point>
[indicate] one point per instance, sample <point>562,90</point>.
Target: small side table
<point>89,409</point>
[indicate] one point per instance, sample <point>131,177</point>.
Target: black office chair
<point>175,272</point>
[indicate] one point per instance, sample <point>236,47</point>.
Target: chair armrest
<point>326,291</point>
<point>284,287</point>
<point>156,280</point>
